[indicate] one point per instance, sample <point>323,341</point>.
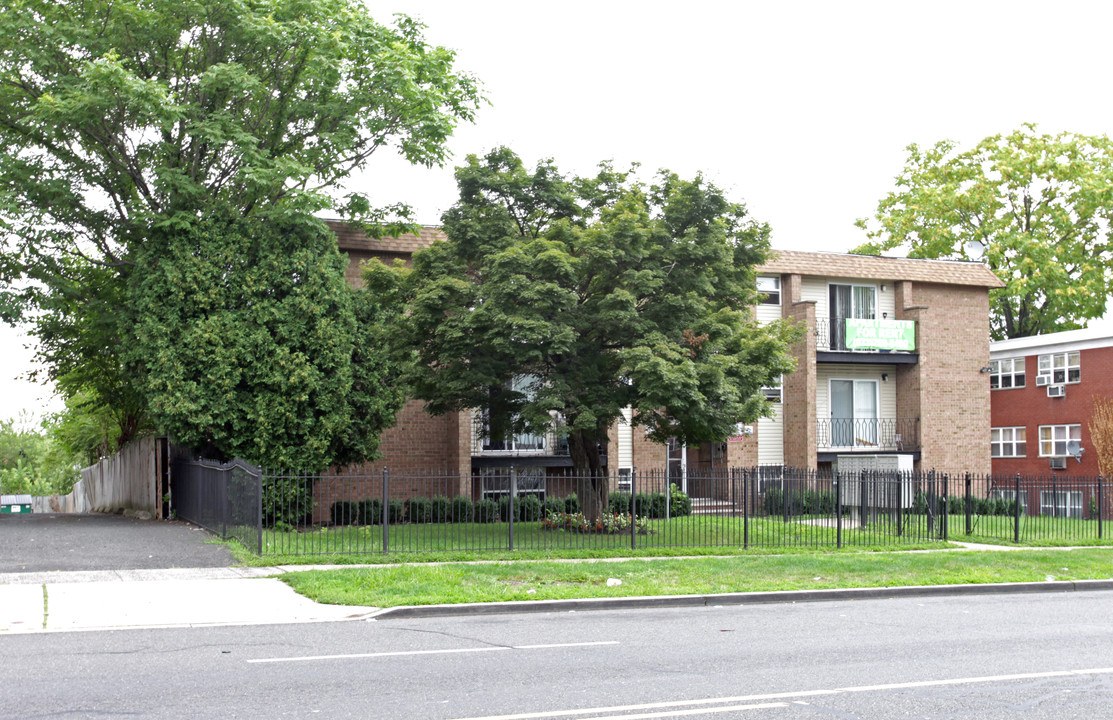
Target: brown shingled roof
<point>351,238</point>
<point>873,267</point>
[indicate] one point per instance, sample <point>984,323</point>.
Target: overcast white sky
<point>800,109</point>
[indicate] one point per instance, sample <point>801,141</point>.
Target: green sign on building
<point>880,334</point>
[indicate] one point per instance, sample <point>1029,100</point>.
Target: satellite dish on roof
<point>1075,449</point>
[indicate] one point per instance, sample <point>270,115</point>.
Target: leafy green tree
<point>1036,208</point>
<point>248,342</point>
<point>33,461</point>
<point>122,119</point>
<point>559,301</point>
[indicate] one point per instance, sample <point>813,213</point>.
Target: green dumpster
<point>15,504</point>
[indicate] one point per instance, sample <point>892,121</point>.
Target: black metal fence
<point>224,498</point>
<point>524,508</point>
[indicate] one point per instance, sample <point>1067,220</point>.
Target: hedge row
<point>526,508</point>
<point>653,505</point>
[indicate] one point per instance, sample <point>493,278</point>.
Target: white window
<point>1010,495</point>
<point>1061,503</point>
<point>849,301</point>
<point>1007,373</point>
<point>854,413</point>
<point>1007,442</point>
<point>1061,367</point>
<point>770,287</point>
<point>1054,439</point>
<point>496,433</point>
<point>772,393</point>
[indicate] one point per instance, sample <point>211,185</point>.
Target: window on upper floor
<point>1054,439</point>
<point>773,393</point>
<point>1007,442</point>
<point>1061,368</point>
<point>1007,373</point>
<point>770,287</point>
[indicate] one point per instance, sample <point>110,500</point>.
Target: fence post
<point>745,508</point>
<point>510,506</point>
<point>1101,503</point>
<point>838,511</point>
<point>900,503</point>
<point>969,506</point>
<point>633,509</point>
<point>386,511</point>
<point>1016,510</point>
<point>259,508</point>
<point>946,502</point>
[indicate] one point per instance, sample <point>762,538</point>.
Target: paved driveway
<point>42,542</point>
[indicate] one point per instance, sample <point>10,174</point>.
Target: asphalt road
<point>1032,656</point>
<point>42,542</point>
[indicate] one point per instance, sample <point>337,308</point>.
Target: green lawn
<point>694,535</point>
<point>699,533</point>
<point>541,580</point>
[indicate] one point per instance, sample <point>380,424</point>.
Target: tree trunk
<point>591,477</point>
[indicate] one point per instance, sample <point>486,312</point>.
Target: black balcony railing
<point>866,434</point>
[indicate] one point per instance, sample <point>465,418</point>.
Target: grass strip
<point>535,580</point>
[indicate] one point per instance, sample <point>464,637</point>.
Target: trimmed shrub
<point>287,502</point>
<point>463,509</point>
<point>486,511</point>
<point>419,510</point>
<point>530,508</point>
<point>396,512</point>
<point>572,504</point>
<point>344,512</point>
<point>680,504</point>
<point>618,502</point>
<point>371,511</point>
<point>440,509</point>
<point>554,505</point>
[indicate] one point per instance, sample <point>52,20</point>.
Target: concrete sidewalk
<point>133,599</point>
<point>69,601</point>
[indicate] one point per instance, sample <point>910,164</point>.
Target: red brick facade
<point>1030,407</point>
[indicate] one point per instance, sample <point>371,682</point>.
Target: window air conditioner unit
<point>1058,463</point>
<point>1042,380</point>
<point>1056,390</point>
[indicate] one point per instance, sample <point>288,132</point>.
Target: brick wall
<point>947,387</point>
<point>1030,407</point>
<point>800,386</point>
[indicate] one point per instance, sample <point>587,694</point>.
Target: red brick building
<point>1042,400</point>
<point>889,369</point>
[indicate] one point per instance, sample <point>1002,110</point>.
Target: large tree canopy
<point>249,343</point>
<point>1036,208</point>
<point>126,120</point>
<point>563,300</point>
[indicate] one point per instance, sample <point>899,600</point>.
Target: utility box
<point>881,488</point>
<point>13,504</point>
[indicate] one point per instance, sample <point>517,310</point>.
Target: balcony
<point>510,448</point>
<point>868,435</point>
<point>873,341</point>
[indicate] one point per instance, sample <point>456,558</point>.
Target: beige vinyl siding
<point>771,439</point>
<point>887,391</point>
<point>626,439</point>
<point>766,314</point>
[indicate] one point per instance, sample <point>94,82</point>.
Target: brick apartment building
<point>889,370</point>
<point>1043,391</point>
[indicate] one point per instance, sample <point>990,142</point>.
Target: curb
<point>751,598</point>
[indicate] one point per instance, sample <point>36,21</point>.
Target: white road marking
<point>782,696</point>
<point>358,656</point>
<point>697,711</point>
